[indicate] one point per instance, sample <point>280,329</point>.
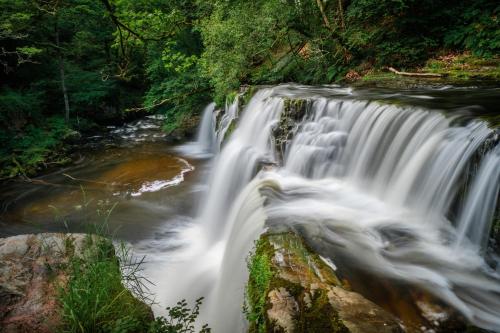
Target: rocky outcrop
<point>31,272</point>
<point>292,289</point>
<point>34,270</point>
<point>294,111</point>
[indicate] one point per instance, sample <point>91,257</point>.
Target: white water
<point>478,212</point>
<point>239,161</point>
<point>372,182</point>
<point>229,116</point>
<point>206,141</point>
<point>206,133</point>
<point>157,185</point>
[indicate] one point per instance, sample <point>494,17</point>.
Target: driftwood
<point>90,181</point>
<point>414,74</point>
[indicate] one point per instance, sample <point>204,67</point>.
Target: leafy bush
<point>477,29</point>
<point>180,319</point>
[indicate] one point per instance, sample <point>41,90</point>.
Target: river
<point>132,167</point>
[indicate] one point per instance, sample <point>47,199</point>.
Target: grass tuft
<point>106,292</point>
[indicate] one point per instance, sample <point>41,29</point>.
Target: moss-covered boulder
<point>292,289</point>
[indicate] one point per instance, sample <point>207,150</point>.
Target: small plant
<point>180,319</point>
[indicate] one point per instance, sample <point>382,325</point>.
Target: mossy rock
<point>292,289</point>
<point>293,112</point>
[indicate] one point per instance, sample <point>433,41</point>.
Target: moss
<point>229,131</point>
<point>259,282</point>
<point>313,319</point>
<point>231,96</point>
<point>248,94</point>
<point>379,76</point>
<point>456,69</point>
<point>312,267</point>
<point>465,66</point>
<point>315,313</point>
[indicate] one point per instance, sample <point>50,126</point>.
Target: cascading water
<point>206,139</point>
<point>370,181</point>
<point>478,212</point>
<point>206,143</point>
<point>229,116</point>
<point>239,161</point>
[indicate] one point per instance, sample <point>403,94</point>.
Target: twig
<point>89,181</point>
<point>166,100</point>
<point>43,182</point>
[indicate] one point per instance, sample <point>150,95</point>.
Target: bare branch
<point>166,100</point>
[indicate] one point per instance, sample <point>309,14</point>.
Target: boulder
<point>31,272</point>
<point>292,289</point>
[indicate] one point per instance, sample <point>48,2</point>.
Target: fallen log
<point>430,75</point>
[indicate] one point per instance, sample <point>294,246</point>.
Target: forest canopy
<point>72,65</point>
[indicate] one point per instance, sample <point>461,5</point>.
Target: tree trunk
<point>341,13</point>
<point>323,14</point>
<point>63,78</point>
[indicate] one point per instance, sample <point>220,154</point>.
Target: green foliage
<point>173,57</point>
<point>261,48</point>
<point>180,319</point>
<point>477,30</point>
<point>259,281</point>
<point>26,139</point>
<point>95,299</point>
<point>106,291</point>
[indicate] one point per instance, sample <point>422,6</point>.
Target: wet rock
<point>283,309</point>
<point>186,129</point>
<point>359,314</point>
<point>294,111</point>
<point>72,136</point>
<point>303,294</point>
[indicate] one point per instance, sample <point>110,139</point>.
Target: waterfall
<point>229,116</point>
<point>372,182</point>
<point>238,162</point>
<point>206,143</point>
<point>478,212</point>
<point>206,139</point>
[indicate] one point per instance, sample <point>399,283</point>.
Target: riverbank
<point>56,144</point>
<point>66,282</point>
<point>453,69</point>
<point>80,283</point>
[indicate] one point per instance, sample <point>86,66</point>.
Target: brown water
<point>132,171</point>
